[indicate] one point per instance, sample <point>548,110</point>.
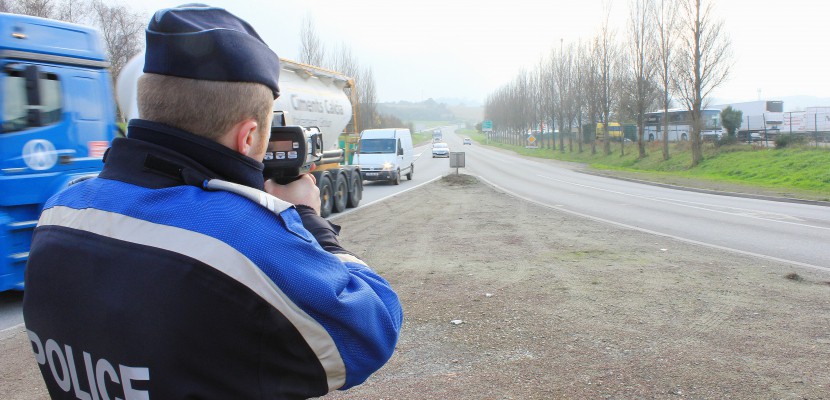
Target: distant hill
<point>454,101</point>
<point>469,114</point>
<point>427,110</point>
<point>432,110</point>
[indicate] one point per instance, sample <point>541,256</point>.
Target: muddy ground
<point>550,305</point>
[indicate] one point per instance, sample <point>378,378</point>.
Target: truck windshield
<point>370,146</point>
<point>16,103</point>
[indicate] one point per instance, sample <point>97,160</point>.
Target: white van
<point>385,154</point>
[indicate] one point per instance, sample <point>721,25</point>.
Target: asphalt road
<point>790,232</point>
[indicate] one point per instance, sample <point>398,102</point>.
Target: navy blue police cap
<point>197,41</point>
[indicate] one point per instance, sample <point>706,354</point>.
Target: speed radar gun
<point>292,150</point>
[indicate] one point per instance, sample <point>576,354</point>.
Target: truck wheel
<point>411,171</point>
<point>397,179</point>
<point>650,137</point>
<point>326,196</point>
<point>341,193</point>
<point>355,190</point>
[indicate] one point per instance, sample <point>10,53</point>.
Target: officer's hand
<point>303,191</point>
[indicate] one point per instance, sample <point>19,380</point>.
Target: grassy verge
<point>802,172</point>
<point>425,136</point>
<point>421,137</point>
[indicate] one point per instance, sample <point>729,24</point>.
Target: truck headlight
<point>387,166</point>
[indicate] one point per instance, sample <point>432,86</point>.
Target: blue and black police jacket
<point>171,276</point>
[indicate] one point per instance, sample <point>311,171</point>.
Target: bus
<point>680,125</point>
<point>614,131</point>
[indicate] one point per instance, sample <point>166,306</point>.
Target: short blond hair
<point>205,108</point>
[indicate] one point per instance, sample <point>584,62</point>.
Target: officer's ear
<point>245,136</point>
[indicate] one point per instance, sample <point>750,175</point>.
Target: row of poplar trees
<point>671,52</point>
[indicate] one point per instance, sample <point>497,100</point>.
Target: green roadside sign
<point>487,126</point>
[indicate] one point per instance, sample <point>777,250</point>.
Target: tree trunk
<point>697,144</point>
<point>666,124</point>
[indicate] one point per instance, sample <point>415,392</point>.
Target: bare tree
<point>122,31</point>
<point>544,101</point>
<point>524,105</point>
<point>552,96</point>
<point>704,61</point>
<point>6,6</point>
<point>75,11</point>
<point>507,107</point>
<point>641,56</point>
<point>665,17</point>
<point>574,95</point>
<point>581,71</point>
<point>592,90</point>
<point>36,8</point>
<point>562,67</point>
<point>606,53</point>
<point>311,50</point>
<point>367,99</point>
<point>538,95</point>
<point>623,88</point>
<point>343,60</point>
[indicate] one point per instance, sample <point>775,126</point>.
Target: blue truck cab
<point>58,119</point>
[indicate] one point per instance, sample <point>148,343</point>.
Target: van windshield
<point>376,146</point>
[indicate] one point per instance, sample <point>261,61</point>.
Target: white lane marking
<point>693,205</point>
<point>637,228</point>
<point>18,326</point>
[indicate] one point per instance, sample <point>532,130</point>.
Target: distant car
<point>440,150</point>
<point>468,141</point>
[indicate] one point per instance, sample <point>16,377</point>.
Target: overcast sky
<point>465,49</point>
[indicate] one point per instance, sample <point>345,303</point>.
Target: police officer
<point>178,273</point>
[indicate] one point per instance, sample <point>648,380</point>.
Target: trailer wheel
<point>355,190</point>
<point>341,193</point>
<point>326,196</point>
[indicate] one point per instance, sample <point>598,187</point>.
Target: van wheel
<point>355,190</point>
<point>684,136</point>
<point>397,179</point>
<point>411,171</point>
<point>326,196</point>
<point>341,193</point>
<point>650,137</point>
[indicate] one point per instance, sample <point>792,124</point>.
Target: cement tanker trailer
<point>309,96</point>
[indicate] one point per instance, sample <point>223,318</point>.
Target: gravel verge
<point>556,306</point>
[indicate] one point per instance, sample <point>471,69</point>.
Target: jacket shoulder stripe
<point>214,253</point>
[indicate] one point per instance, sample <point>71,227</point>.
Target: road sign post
<point>457,160</point>
<point>531,142</point>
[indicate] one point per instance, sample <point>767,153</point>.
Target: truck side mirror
<point>32,76</point>
<point>400,151</point>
